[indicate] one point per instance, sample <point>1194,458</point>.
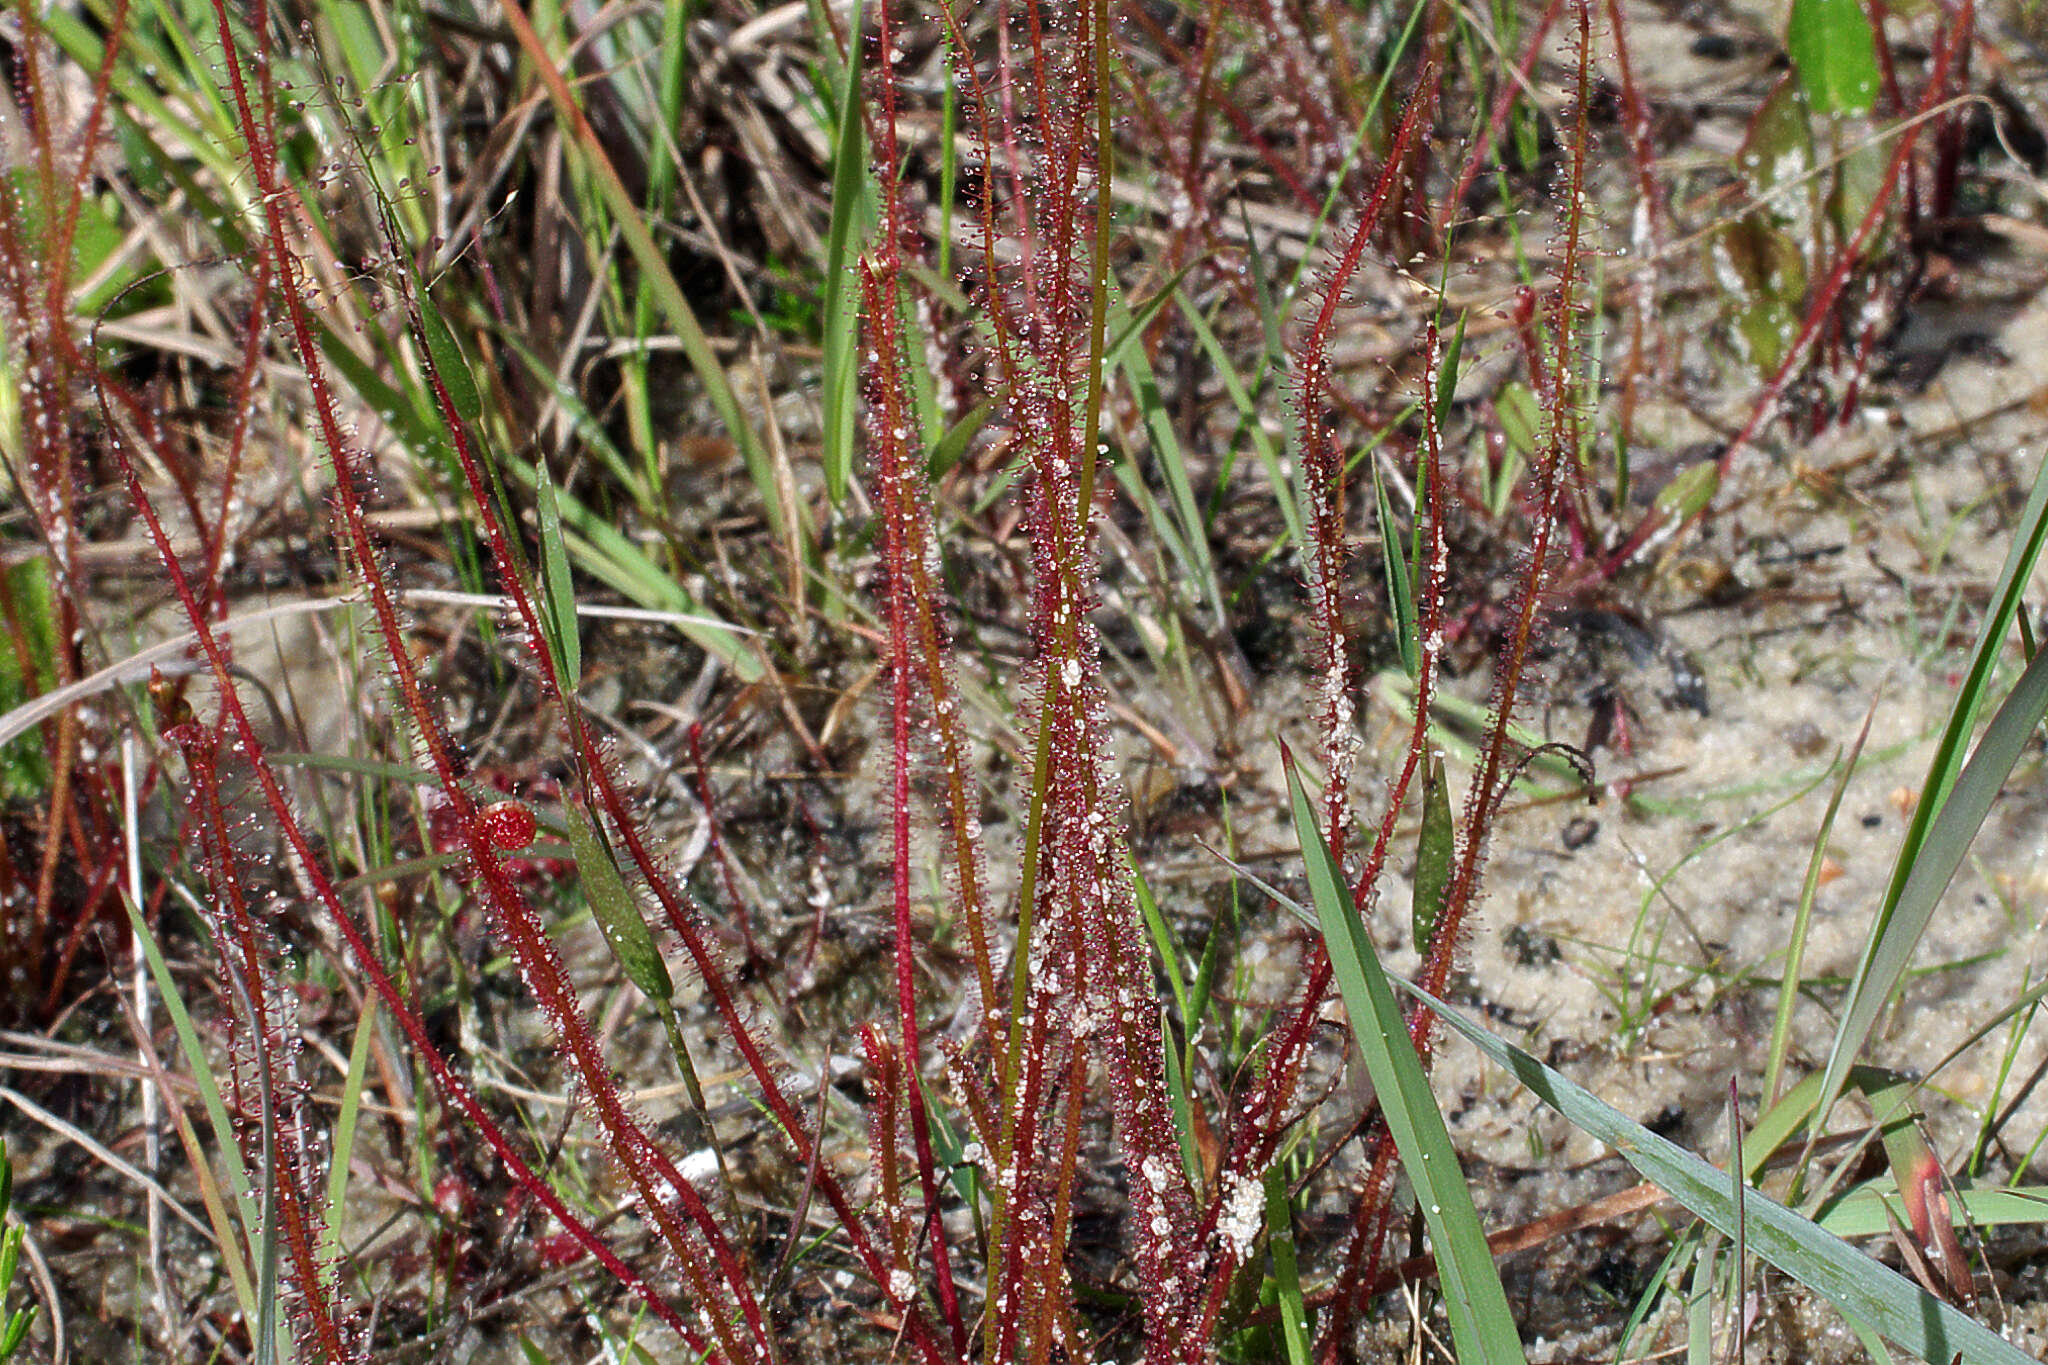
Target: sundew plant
<point>470,342</point>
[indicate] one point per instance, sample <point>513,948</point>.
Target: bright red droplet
<point>509,825</point>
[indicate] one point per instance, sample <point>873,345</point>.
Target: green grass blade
<point>1164,943</point>
<point>1250,417</point>
<point>1183,1106</point>
<point>1447,370</point>
<point>1802,922</point>
<point>2029,540</point>
<point>216,1112</point>
<point>1400,590</point>
<point>853,213</point>
<point>1274,361</point>
<point>1899,927</point>
<point>1662,1281</point>
<point>589,153</point>
<point>590,432</point>
<point>1132,324</point>
<point>558,593</point>
<point>1699,1306</point>
<point>345,1136</point>
<point>1481,1325</point>
<point>1286,1274</point>
<point>951,448</point>
<point>449,362</point>
<point>1823,1262</point>
<point>611,556</point>
<point>1163,940</point>
<point>1859,1212</point>
<point>1172,466</point>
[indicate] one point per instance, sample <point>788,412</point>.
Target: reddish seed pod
<point>509,825</point>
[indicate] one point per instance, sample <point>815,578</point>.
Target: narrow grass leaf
<point>1699,1305</point>
<point>2030,538</point>
<point>1171,463</point>
<point>345,1138</point>
<point>610,555</point>
<point>1168,948</point>
<point>1447,370</point>
<point>217,1116</point>
<point>652,259</point>
<point>853,214</point>
<point>1897,932</point>
<point>1662,1281</point>
<point>590,432</point>
<point>1400,590</point>
<point>189,1044</point>
<point>950,1149</point>
<point>1249,416</point>
<point>1802,920</point>
<point>1792,1112</point>
<point>21,1319</point>
<point>18,1321</point>
<point>1163,940</point>
<point>1286,1273</point>
<point>1287,491</point>
<point>1182,1105</point>
<point>1132,325</point>
<point>558,592</point>
<point>1131,479</point>
<point>449,362</point>
<point>1481,1326</point>
<point>1860,1211</point>
<point>1816,1258</point>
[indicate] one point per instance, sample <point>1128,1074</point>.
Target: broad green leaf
<point>1433,855</point>
<point>1832,48</point>
<point>1690,492</point>
<point>950,448</point>
<point>617,912</point>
